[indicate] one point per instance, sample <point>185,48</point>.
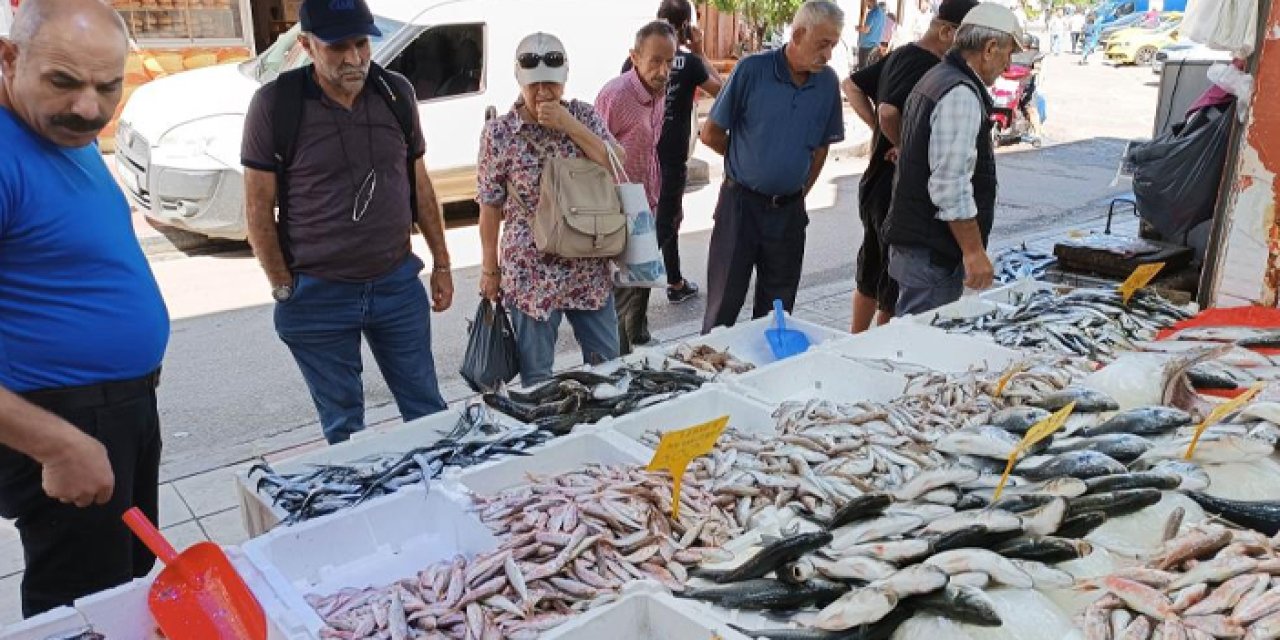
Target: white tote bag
<point>640,264</point>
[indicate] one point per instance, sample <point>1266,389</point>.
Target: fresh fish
<point>872,530</point>
<point>1193,477</point>
<point>1139,629</point>
<point>983,441</point>
<point>855,608</point>
<point>1215,571</point>
<point>1188,597</point>
<point>961,603</point>
<point>1143,421</point>
<point>1120,619</point>
<point>1076,464</point>
<point>1043,576</point>
<point>1046,520</point>
<point>1222,450</point>
<point>1141,480</point>
<point>1018,419</point>
<point>1218,626</point>
<point>1249,611</point>
<point>770,557</point>
<point>1242,336</point>
<point>1000,569</point>
<point>1079,526</point>
<point>860,508</point>
<point>1047,549</point>
<point>975,579</point>
<point>1022,503</point>
<point>1087,400</point>
<point>861,568</point>
<point>1219,375</point>
<point>768,595</point>
<point>1261,516</point>
<point>1114,503</point>
<point>894,551</point>
<point>993,520</point>
<point>1225,596</point>
<point>1139,597</point>
<point>975,535</point>
<point>932,479</point>
<point>1173,524</point>
<point>1199,542</point>
<point>915,580</point>
<point>1096,623</point>
<point>1124,447</point>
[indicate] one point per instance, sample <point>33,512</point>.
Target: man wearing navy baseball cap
<point>338,145</point>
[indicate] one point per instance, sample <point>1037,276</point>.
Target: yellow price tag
<point>1221,411</point>
<point>678,448</point>
<point>1014,369</point>
<point>1039,431</point>
<point>1141,277</point>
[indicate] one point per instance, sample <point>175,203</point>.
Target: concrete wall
<point>1248,265</point>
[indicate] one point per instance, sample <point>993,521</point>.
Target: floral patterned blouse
<point>512,153</point>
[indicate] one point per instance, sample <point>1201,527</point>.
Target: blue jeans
<point>322,323</point>
<point>596,331</point>
<point>922,284</point>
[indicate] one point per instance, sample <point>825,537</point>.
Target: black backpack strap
<point>403,105</point>
<point>286,118</point>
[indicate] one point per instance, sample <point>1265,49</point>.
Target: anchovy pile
<point>324,489</point>
<point>572,398</point>
<point>710,360</point>
<point>1209,582</point>
<point>1093,323</point>
<point>570,542</point>
<point>1021,263</point>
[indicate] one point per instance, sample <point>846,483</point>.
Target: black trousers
<point>670,214</point>
<point>632,304</point>
<point>751,234</point>
<point>72,552</point>
<point>875,191</point>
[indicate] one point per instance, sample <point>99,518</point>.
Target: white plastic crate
<point>821,375</point>
<point>708,403</point>
<point>568,453</point>
<point>645,612</point>
<point>50,624</point>
<point>259,515</point>
<point>747,341</point>
<point>927,346</point>
<point>966,307</point>
<point>372,545</point>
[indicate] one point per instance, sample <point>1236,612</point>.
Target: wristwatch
<point>282,293</point>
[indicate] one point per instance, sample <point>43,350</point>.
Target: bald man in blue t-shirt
<point>82,325</point>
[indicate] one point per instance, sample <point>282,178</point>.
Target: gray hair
<point>32,14</point>
<point>972,38</point>
<point>817,12</point>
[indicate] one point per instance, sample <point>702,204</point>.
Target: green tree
<point>763,17</point>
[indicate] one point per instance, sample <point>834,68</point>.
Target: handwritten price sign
<point>678,448</point>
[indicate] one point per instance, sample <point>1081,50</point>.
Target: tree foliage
<point>762,17</point>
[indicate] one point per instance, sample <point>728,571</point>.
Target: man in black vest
<point>944,194</point>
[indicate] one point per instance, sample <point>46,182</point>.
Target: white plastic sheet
<point>1231,25</point>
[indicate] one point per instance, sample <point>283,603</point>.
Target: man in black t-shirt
<point>878,95</point>
<point>690,71</point>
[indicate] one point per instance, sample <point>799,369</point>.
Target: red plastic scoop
<point>198,595</point>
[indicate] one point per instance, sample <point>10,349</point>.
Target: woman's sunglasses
<point>553,59</point>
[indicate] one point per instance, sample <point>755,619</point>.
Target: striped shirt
<point>633,114</point>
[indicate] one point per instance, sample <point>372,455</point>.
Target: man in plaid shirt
<point>632,106</point>
<point>945,193</point>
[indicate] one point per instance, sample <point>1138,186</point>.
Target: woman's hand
<point>553,115</point>
<point>491,285</point>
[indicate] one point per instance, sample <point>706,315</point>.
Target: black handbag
<point>492,357</point>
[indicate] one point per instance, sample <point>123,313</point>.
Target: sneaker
<point>684,294</point>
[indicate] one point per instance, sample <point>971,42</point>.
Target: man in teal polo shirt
<point>773,123</point>
<point>82,325</point>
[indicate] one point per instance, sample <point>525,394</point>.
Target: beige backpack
<point>579,214</point>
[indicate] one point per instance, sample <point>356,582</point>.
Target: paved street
<point>232,393</point>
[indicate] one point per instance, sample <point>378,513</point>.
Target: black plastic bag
<point>492,356</point>
<point>1176,176</point>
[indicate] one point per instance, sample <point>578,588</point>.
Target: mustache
<point>78,124</point>
<point>350,68</point>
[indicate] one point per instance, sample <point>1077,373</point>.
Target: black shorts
<point>872,274</point>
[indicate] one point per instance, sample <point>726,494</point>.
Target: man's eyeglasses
<point>553,59</point>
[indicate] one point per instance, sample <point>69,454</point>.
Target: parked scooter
<point>1012,96</point>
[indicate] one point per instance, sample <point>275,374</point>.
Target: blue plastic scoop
<point>784,342</point>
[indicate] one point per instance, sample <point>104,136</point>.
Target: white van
<point>178,141</point>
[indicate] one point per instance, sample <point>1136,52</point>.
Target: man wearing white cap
<point>944,194</point>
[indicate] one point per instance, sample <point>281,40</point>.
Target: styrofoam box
<point>568,453</point>
<point>259,515</point>
<point>747,341</point>
<point>708,403</point>
<point>927,346</point>
<point>644,612</point>
<point>371,545</point>
<point>50,624</point>
<point>820,375</point>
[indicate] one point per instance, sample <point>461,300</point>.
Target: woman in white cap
<point>540,289</point>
